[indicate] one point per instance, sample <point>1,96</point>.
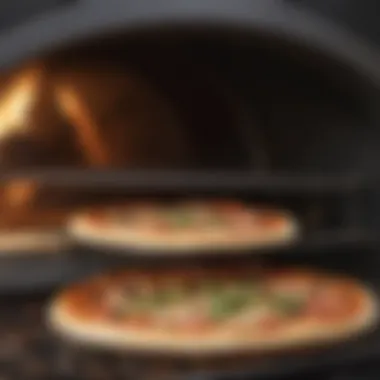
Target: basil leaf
<point>169,296</point>
<point>223,307</point>
<point>287,306</point>
<point>232,300</point>
<point>180,218</point>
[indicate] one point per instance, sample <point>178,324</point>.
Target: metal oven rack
<point>27,350</point>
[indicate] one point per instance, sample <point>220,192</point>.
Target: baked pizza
<point>26,226</point>
<point>185,226</point>
<point>31,240</point>
<point>223,310</point>
<point>32,230</point>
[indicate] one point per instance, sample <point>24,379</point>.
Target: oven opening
<point>174,100</point>
<point>207,114</point>
<point>179,115</point>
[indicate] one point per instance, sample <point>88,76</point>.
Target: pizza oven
<point>262,101</point>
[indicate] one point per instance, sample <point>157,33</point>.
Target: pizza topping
<point>331,302</point>
<point>179,218</point>
<point>227,304</point>
<point>116,305</point>
<point>226,301</point>
<point>169,296</point>
<point>187,224</point>
<point>190,214</point>
<point>127,300</point>
<point>258,301</point>
<point>269,218</point>
<point>288,306</point>
<point>255,315</point>
<point>185,216</point>
<point>190,312</point>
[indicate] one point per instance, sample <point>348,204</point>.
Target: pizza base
<point>309,333</point>
<point>82,230</point>
<point>23,242</point>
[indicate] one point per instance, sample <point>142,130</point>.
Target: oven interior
<point>201,114</point>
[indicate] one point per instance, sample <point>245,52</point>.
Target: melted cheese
<point>251,316</point>
<point>292,287</point>
<point>188,312</point>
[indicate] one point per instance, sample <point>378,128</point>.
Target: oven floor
<point>368,370</point>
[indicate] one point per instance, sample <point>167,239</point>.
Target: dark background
<point>360,16</point>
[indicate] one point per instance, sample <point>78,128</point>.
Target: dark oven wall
<point>361,17</point>
<point>198,102</point>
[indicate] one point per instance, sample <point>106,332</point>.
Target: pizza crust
<point>23,242</point>
<point>217,341</point>
<point>83,230</point>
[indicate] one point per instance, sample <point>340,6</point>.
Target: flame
<point>18,193</point>
<point>87,130</point>
<point>18,101</point>
<point>16,105</point>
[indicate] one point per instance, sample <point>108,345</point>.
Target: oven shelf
<point>185,180</point>
<point>26,275</point>
<point>321,242</point>
<point>336,238</point>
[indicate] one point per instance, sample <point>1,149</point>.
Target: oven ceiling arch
<point>82,19</point>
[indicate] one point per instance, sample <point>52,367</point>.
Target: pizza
<point>30,240</point>
<point>27,224</point>
<point>183,226</point>
<point>219,310</point>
